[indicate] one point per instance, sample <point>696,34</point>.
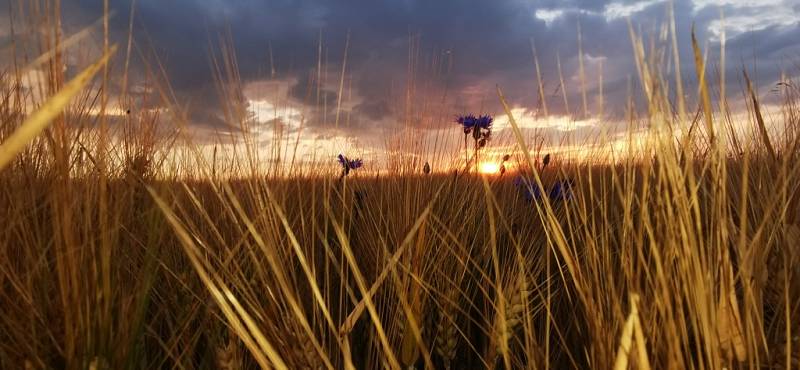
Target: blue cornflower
<point>349,164</point>
<point>355,163</point>
<point>530,193</point>
<point>484,122</point>
<point>467,121</point>
<point>562,190</point>
<point>470,122</point>
<point>342,160</point>
<point>480,127</point>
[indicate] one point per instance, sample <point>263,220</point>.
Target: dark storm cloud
<point>375,109</point>
<point>485,42</point>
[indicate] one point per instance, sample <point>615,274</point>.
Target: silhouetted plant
<point>479,127</point>
<point>349,164</point>
<point>503,164</point>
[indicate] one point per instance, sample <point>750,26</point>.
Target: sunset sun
<point>489,168</point>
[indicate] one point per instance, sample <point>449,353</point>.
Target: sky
<point>420,63</point>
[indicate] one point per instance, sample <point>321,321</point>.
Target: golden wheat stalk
<point>514,310</point>
<point>762,128</point>
<point>729,326</point>
<point>228,356</point>
<point>632,334</point>
<point>446,331</point>
<point>303,350</point>
<point>39,120</point>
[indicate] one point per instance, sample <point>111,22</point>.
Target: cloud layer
<point>408,58</point>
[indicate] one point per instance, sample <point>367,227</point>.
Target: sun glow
<point>489,168</point>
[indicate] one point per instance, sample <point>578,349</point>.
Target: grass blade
<point>39,120</point>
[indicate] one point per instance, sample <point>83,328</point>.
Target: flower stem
<point>466,156</point>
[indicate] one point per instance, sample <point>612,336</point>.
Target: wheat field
<point>126,245</point>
